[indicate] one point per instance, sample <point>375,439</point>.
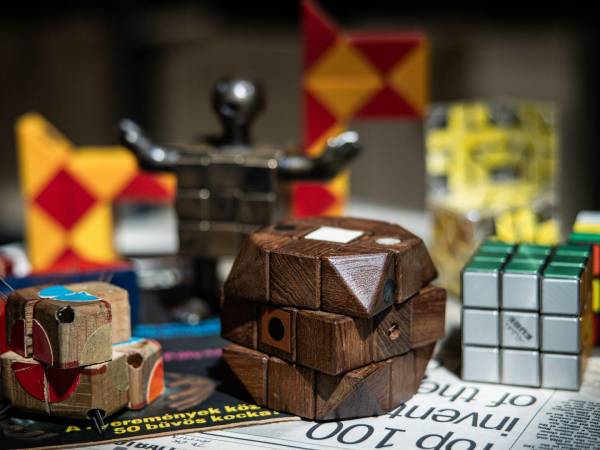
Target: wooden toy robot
<point>331,318</point>
<point>227,186</point>
<point>71,353</point>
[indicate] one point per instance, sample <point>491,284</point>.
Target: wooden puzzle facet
<point>335,338</point>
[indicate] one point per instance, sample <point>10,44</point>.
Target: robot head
<point>237,102</point>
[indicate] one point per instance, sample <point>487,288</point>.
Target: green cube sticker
<point>483,266</point>
<point>534,250</point>
<point>560,271</point>
<point>523,266</point>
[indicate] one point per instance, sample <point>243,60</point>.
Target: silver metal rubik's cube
<point>527,314</point>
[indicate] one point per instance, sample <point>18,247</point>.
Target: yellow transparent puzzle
<point>491,170</point>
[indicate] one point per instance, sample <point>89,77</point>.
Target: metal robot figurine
<point>228,186</point>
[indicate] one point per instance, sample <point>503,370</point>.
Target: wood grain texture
<point>413,265</point>
<point>428,316</point>
<point>359,393</point>
<point>101,386</point>
<point>250,367</point>
<point>82,338</point>
<point>19,315</point>
<point>277,332</point>
<point>355,283</point>
<point>278,264</point>
<point>295,273</point>
<point>249,275</point>
<point>239,321</point>
<point>291,388</point>
<point>118,299</point>
<point>422,356</point>
<point>391,332</point>
<point>24,383</point>
<point>143,360</point>
<point>403,376</point>
<point>332,343</point>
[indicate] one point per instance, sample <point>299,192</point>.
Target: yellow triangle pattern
<point>343,80</point>
<point>46,239</point>
<point>409,77</point>
<point>104,171</point>
<point>43,151</point>
<point>92,237</point>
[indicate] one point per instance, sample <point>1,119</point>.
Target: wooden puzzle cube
<point>63,361</point>
<point>331,317</point>
<point>68,326</point>
<point>145,370</point>
<point>527,314</point>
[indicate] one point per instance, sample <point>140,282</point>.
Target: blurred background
<point>85,65</point>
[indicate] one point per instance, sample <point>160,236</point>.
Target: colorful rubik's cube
<point>491,171</point>
<point>586,230</point>
<point>527,314</point>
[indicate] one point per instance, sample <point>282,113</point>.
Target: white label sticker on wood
<point>333,234</point>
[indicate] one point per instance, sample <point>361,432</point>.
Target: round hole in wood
<point>394,332</point>
<point>65,315</point>
<point>135,360</point>
<point>276,328</point>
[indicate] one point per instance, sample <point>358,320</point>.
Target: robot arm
<point>340,151</point>
<point>150,156</point>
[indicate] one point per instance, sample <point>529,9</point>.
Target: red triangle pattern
<point>69,261</point>
<point>318,32</point>
<point>317,119</point>
<point>62,383</point>
<point>385,50</point>
<point>311,199</point>
<point>387,104</point>
<point>143,187</point>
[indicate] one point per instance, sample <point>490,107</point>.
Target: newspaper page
<point>447,413</point>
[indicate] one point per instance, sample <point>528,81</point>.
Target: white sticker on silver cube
<point>334,234</point>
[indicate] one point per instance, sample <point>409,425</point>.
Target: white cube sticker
<point>334,234</point>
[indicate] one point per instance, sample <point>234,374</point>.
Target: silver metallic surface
<point>481,327</point>
<point>480,289</point>
<point>520,291</point>
<point>561,371</point>
<point>481,364</point>
<point>520,367</point>
<point>560,334</point>
<point>561,296</point>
